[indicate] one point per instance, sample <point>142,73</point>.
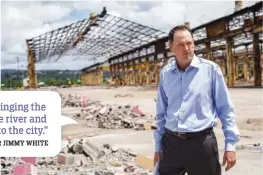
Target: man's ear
<point>170,46</point>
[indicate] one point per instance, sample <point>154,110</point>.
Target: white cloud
<point>17,48</point>
<point>33,11</point>
<point>23,20</point>
<point>162,17</point>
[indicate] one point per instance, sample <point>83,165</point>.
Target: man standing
<point>191,95</point>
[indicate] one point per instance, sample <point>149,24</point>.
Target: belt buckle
<point>181,135</point>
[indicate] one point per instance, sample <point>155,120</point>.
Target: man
<point>191,95</point>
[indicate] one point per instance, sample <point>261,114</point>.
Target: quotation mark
<point>45,127</point>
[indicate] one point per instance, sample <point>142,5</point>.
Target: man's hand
<point>230,159</point>
<point>156,158</point>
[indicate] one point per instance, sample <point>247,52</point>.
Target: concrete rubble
<point>8,163</point>
<point>82,157</point>
<point>71,100</point>
<point>108,116</point>
<point>112,117</point>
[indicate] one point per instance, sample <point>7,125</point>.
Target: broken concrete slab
<point>92,150</point>
<point>78,148</point>
<point>144,162</point>
<point>135,141</point>
<point>32,160</point>
<point>65,159</point>
<point>25,169</point>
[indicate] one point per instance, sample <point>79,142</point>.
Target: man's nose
<point>185,47</point>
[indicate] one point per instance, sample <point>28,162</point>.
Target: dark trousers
<point>196,156</point>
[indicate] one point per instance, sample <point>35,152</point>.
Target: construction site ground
<point>247,102</point>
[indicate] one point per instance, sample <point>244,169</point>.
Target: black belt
<point>188,135</point>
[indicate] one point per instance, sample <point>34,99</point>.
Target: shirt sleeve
<point>225,110</point>
<point>161,106</point>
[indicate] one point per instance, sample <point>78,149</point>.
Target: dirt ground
<point>248,105</point>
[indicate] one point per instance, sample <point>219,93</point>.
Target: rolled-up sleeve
<point>225,110</point>
<point>161,106</point>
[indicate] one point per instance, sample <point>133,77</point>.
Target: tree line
<point>14,79</point>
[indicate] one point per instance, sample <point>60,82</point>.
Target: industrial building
<point>135,53</point>
<point>95,74</point>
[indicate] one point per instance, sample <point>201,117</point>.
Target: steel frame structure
<point>136,52</point>
<point>100,35</point>
<point>217,40</point>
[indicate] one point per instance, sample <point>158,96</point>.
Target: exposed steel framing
<point>216,40</point>
<point>136,52</point>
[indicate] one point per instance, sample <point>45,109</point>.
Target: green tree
<point>51,81</point>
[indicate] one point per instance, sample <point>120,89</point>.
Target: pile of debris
<point>113,116</point>
<point>8,163</point>
<point>81,156</point>
<point>73,100</point>
<point>108,116</point>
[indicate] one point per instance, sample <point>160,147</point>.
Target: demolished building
<point>136,53</point>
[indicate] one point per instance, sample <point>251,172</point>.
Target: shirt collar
<point>194,63</point>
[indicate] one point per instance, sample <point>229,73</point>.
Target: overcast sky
<point>24,20</point>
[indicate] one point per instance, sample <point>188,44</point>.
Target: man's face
<point>182,45</point>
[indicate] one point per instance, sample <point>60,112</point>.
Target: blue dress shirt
<point>192,100</point>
